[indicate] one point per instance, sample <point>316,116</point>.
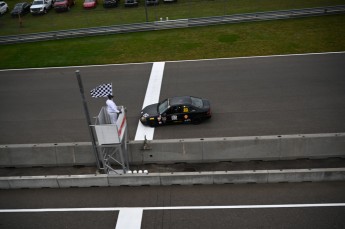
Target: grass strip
<point>305,35</point>
<point>78,17</point>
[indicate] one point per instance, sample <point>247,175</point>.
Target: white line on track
<point>176,61</point>
<point>152,96</point>
<point>130,218</point>
<point>254,57</point>
<point>172,208</point>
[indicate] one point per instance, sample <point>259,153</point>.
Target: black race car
<point>183,109</point>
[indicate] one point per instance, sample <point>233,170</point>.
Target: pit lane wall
<point>180,178</point>
<point>285,147</point>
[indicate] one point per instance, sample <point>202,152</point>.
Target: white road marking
<point>247,206</point>
<point>171,208</point>
<point>152,96</point>
<point>58,210</point>
<point>255,57</point>
<point>129,218</point>
<point>174,61</point>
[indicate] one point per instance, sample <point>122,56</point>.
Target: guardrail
<point>173,24</point>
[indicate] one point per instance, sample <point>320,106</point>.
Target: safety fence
<point>173,24</point>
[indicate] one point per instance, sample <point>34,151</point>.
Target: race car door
<point>174,115</point>
<point>186,115</point>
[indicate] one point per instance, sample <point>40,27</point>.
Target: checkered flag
<point>102,90</point>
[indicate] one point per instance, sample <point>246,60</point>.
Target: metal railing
<point>173,24</point>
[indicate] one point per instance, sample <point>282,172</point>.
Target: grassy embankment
<point>316,34</point>
<point>81,18</point>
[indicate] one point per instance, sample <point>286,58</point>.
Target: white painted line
<point>171,208</point>
<point>154,86</point>
<point>255,57</point>
<point>76,66</point>
<point>175,61</point>
<point>58,210</point>
<point>247,206</point>
<point>144,131</point>
<point>152,96</point>
<point>129,218</point>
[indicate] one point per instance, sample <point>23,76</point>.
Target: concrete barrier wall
<point>284,147</point>
<point>181,178</point>
<point>62,154</point>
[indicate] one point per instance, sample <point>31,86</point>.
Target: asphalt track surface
<point>254,96</point>
<point>215,206</point>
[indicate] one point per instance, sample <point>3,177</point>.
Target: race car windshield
<point>197,102</point>
<point>163,106</point>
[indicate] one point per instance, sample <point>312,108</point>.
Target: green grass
<point>80,18</point>
<point>316,34</point>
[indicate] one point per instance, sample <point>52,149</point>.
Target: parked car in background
<point>20,9</point>
<point>110,3</point>
<point>41,6</point>
<point>3,7</point>
<point>152,2</point>
<point>63,5</point>
<point>168,1</point>
<point>129,3</point>
<point>90,4</point>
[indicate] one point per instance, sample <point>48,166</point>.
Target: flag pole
<point>86,111</point>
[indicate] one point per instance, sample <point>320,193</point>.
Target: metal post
<point>126,150</point>
<point>147,19</point>
<point>86,111</point>
<point>122,159</point>
<point>154,9</point>
<point>125,143</point>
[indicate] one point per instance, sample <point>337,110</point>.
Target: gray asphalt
<point>249,97</point>
<point>262,96</point>
<point>205,195</point>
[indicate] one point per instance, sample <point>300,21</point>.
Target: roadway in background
<point>275,95</point>
<point>179,196</point>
